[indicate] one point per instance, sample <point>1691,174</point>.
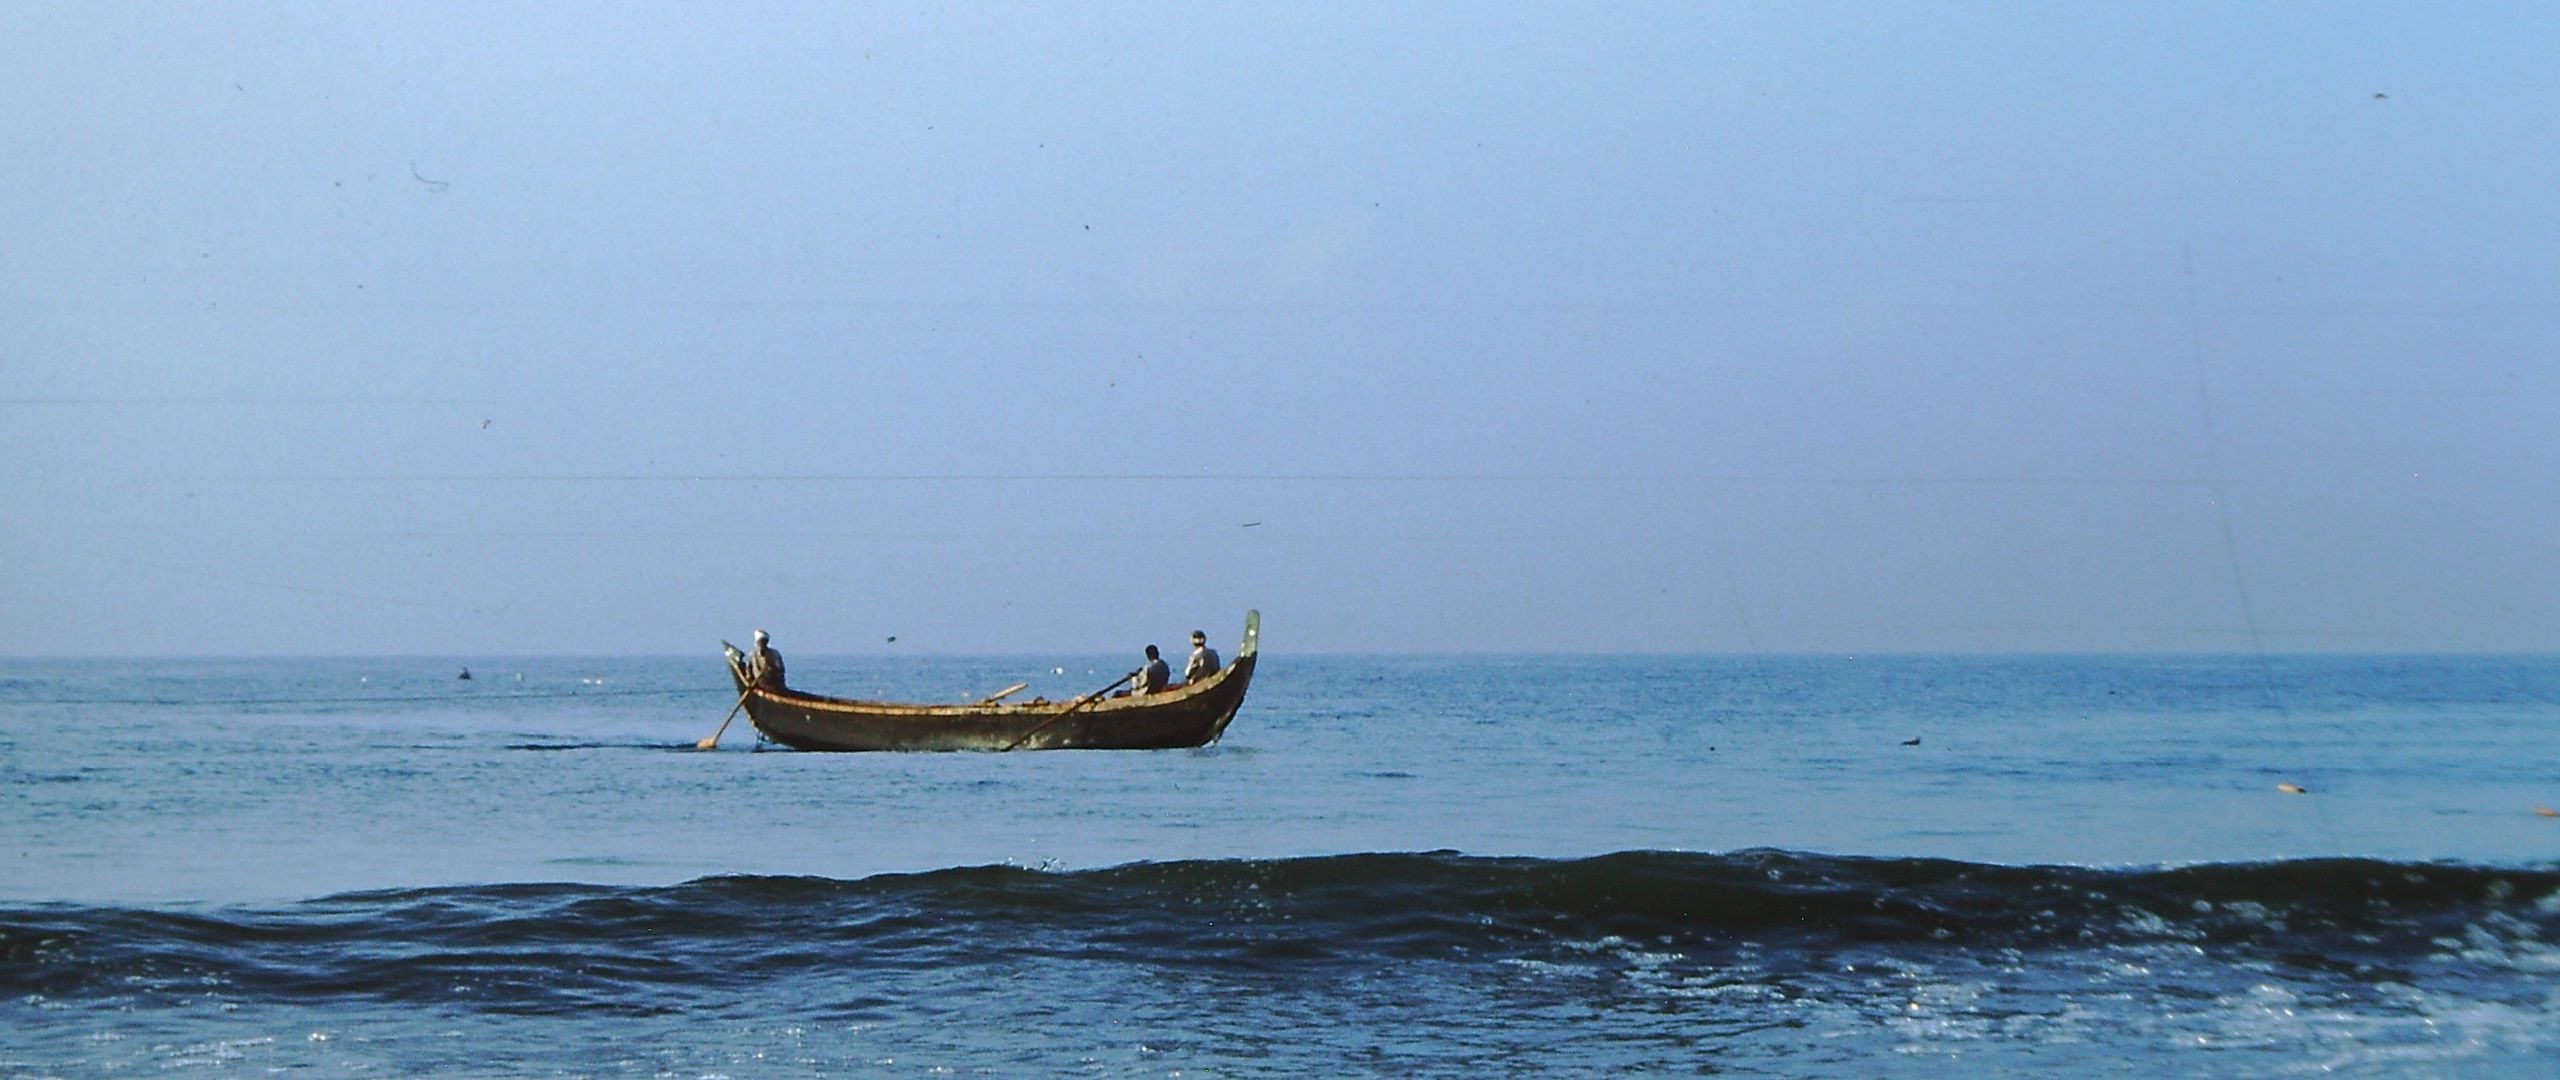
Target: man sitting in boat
<point>1153,677</point>
<point>765,667</point>
<point>1204,660</point>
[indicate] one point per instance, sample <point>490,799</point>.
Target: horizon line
<point>1337,654</point>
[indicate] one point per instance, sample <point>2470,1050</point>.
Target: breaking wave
<point>1766,922</point>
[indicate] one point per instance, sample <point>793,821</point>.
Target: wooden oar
<point>748,687</point>
<point>714,740</point>
<point>1007,692</point>
<point>1081,702</point>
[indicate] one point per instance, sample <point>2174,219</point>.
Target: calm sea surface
<point>1457,867</point>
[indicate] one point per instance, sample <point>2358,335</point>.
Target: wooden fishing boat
<point>1193,714</point>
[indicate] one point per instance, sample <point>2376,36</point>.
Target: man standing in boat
<point>1153,677</point>
<point>1204,660</point>
<point>765,667</point>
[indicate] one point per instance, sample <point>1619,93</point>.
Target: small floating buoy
<point>2293,789</point>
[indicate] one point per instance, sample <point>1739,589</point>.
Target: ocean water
<point>1389,866</point>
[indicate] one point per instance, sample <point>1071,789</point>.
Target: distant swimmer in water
<point>764,667</point>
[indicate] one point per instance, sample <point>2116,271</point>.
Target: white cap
<point>760,637</point>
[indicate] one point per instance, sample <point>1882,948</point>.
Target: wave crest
<point>546,948</point>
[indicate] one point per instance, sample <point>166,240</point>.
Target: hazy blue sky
<point>472,329</point>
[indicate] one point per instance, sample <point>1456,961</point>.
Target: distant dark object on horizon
<point>1912,741</point>
<point>466,673</point>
